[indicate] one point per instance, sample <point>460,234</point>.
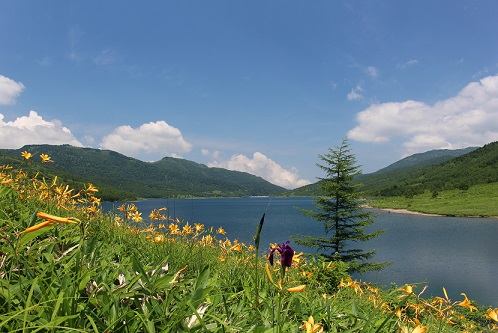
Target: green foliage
<point>341,213</point>
<point>434,171</point>
<point>323,275</point>
<point>478,201</point>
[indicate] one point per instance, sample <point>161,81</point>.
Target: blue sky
<point>256,86</point>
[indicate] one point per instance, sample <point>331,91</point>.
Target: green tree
<point>340,210</point>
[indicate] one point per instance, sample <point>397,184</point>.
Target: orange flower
<point>91,188</point>
<point>53,218</point>
<point>310,327</point>
<point>173,229</point>
<point>45,158</point>
<point>466,303</point>
<point>221,231</point>
<point>26,155</point>
<point>49,219</point>
<point>298,289</point>
<point>137,217</point>
<point>417,329</point>
<point>187,229</point>
<point>199,227</point>
<point>36,227</point>
<point>492,314</point>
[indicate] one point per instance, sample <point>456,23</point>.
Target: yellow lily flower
<point>417,329</point>
<point>466,303</point>
<point>492,314</point>
<point>298,289</point>
<point>221,231</point>
<point>407,290</point>
<point>137,217</point>
<point>91,188</point>
<point>187,229</point>
<point>36,227</point>
<point>310,327</point>
<point>49,219</point>
<point>158,238</point>
<point>199,227</point>
<point>58,219</point>
<point>26,155</point>
<point>173,229</point>
<point>45,158</point>
<point>269,275</point>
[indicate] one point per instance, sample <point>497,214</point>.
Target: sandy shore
<point>405,211</point>
<point>401,211</point>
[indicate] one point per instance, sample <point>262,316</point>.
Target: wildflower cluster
<point>38,188</point>
<point>163,228</point>
<point>132,272</point>
<point>414,314</point>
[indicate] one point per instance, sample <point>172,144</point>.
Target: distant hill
<point>432,157</point>
<point>435,170</point>
<point>169,177</point>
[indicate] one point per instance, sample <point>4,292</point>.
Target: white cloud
<point>32,129</point>
<point>215,155</point>
<point>355,93</point>
<point>105,57</point>
<point>407,64</point>
<point>372,71</point>
<point>153,140</point>
<point>468,119</point>
<point>262,166</point>
<point>9,90</point>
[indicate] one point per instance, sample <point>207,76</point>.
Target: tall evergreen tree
<point>340,210</point>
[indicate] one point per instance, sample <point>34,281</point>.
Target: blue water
<point>460,254</point>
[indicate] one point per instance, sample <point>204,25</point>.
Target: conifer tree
<point>340,210</point>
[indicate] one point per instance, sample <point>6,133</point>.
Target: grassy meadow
<point>477,201</point>
<point>67,266</point>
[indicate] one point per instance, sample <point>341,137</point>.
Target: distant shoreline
<point>406,211</point>
<point>410,212</point>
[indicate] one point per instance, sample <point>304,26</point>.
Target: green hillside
<point>432,157</point>
<point>476,167</point>
<point>435,170</point>
<point>169,177</point>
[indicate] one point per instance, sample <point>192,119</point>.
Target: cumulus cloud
<point>215,155</point>
<point>262,166</point>
<point>33,129</point>
<point>9,90</point>
<point>468,119</point>
<point>153,140</point>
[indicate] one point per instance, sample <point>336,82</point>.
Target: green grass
<point>478,200</point>
<point>118,273</point>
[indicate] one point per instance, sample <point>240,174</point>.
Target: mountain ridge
<point>434,170</point>
<point>169,177</point>
<point>419,172</point>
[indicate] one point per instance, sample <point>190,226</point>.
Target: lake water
<point>460,254</point>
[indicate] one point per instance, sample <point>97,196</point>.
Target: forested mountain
<point>431,157</point>
<point>119,176</point>
<point>169,177</point>
<point>434,170</point>
<point>479,166</point>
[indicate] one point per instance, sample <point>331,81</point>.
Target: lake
<point>460,254</point>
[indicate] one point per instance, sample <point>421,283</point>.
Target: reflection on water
<point>459,254</point>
